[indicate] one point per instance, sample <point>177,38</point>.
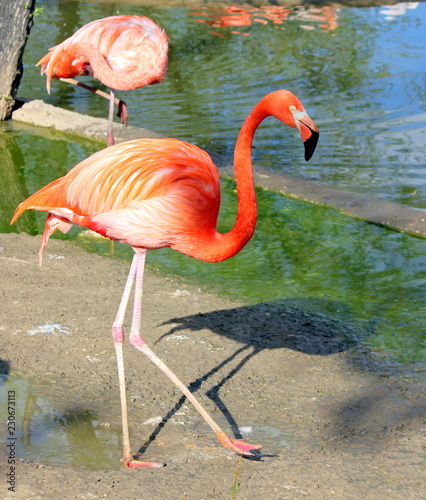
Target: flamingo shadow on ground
<point>382,405</point>
<point>276,325</point>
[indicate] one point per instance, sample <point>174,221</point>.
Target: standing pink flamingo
<point>122,52</point>
<point>154,193</point>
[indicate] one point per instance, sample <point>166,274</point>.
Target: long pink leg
<point>118,337</point>
<point>236,445</point>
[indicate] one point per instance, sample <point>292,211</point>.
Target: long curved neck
<point>245,223</point>
<point>219,246</point>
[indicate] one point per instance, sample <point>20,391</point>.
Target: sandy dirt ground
<point>334,423</point>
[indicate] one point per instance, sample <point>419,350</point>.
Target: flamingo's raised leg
<point>121,105</point>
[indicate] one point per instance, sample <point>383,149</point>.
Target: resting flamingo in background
<point>154,193</point>
<point>122,52</point>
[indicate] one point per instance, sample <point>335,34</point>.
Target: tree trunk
<point>16,19</point>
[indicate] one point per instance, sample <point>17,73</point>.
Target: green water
<point>45,431</point>
<point>45,427</point>
<point>302,255</point>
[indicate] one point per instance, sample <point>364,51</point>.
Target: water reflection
<point>237,16</point>
<point>241,15</point>
<point>49,432</point>
<point>392,11</point>
<point>325,17</point>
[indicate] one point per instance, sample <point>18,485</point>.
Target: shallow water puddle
<point>44,432</point>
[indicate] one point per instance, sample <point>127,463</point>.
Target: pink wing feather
<point>147,193</point>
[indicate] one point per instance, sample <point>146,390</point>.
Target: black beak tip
<point>310,145</point>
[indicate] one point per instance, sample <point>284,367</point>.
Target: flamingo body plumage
<point>148,193</point>
<point>122,52</point>
<point>154,193</point>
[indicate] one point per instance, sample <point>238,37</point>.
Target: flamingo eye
<point>292,109</point>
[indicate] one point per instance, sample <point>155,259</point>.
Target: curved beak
<point>308,131</point>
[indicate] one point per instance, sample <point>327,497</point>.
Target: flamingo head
<point>285,106</point>
<point>307,128</point>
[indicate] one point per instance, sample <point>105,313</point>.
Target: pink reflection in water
<point>243,16</point>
